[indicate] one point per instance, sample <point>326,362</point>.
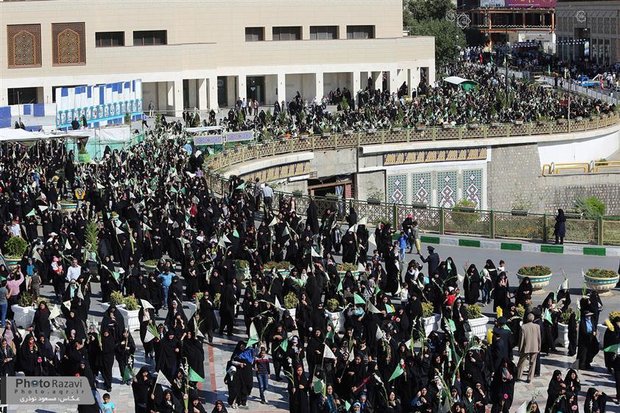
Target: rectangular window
<point>323,32</point>
<point>150,37</point>
<point>69,45</point>
<point>24,45</point>
<point>360,32</point>
<point>287,33</point>
<point>109,39</point>
<point>254,34</point>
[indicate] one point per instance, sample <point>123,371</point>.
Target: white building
<point>207,53</point>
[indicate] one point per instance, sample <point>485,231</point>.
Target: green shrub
<point>346,266</point>
<point>15,247</point>
<point>332,305</point>
<point>25,299</point>
<point>520,310</point>
<point>461,215</point>
<point>217,300</point>
<point>116,298</point>
<point>614,314</point>
<point>242,264</point>
<point>534,271</point>
<point>282,265</point>
<point>291,301</point>
<point>473,311</point>
<point>151,263</point>
<point>590,207</point>
<point>427,309</point>
<point>565,316</point>
<point>601,273</point>
<point>131,303</point>
<point>91,237</point>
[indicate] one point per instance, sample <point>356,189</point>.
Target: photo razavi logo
<point>47,390</point>
<point>581,16</point>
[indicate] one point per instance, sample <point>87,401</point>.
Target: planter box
<point>373,201</point>
<point>518,122</point>
<point>11,262</point>
<point>562,121</point>
<point>431,323</point>
<point>478,327</point>
<point>23,316</point>
<point>292,312</point>
<point>473,126</point>
<point>496,125</point>
<point>132,321</point>
<point>419,205</point>
<point>600,285</point>
<point>562,339</point>
<point>336,319</point>
<point>420,127</point>
<point>447,126</point>
<point>68,206</point>
<point>538,282</point>
<point>189,308</point>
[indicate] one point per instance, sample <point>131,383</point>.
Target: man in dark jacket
<point>432,260</point>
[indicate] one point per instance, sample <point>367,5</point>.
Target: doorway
<point>256,88</point>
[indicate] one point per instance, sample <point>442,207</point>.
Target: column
<point>318,86</point>
<point>378,79</point>
<point>48,96</point>
<point>393,80</point>
<point>191,90</point>
<point>242,91</point>
<point>162,96</point>
<point>281,87</point>
<point>203,95</point>
<point>177,94</point>
<point>356,82</point>
<point>212,93</point>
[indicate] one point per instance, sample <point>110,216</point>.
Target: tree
<point>448,37</point>
<point>425,10</point>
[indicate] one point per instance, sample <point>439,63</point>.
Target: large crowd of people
<point>435,104</point>
<point>273,272</point>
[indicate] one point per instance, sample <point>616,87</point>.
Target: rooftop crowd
<point>152,201</point>
<point>436,104</point>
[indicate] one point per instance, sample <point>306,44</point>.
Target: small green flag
<point>253,336</point>
<point>318,386</point>
<point>127,373</point>
<point>451,325</point>
<point>31,213</point>
<point>389,308</point>
<point>547,316</point>
<point>614,348</point>
<point>358,299</point>
<point>241,186</point>
<point>235,234</point>
<point>347,405</point>
<point>284,345</point>
<point>398,371</point>
<point>193,376</point>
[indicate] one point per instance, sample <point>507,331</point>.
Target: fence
<point>454,221</point>
<point>245,153</point>
<point>593,167</point>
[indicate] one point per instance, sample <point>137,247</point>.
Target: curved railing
<point>480,223</point>
<point>245,153</point>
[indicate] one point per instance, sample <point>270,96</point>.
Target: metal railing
<point>281,146</point>
<point>593,167</point>
<point>453,221</point>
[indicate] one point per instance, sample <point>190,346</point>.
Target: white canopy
<point>16,135</point>
<point>201,129</point>
<point>456,80</point>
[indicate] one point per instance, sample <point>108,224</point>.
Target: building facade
<point>589,30</point>
<point>206,54</point>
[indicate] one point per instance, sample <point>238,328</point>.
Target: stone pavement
<point>216,355</point>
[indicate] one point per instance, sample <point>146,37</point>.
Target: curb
<point>512,245</point>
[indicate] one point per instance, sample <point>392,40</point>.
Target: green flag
<point>127,373</point>
<point>284,345</point>
<point>241,186</point>
<point>193,376</point>
<point>389,308</point>
<point>318,386</point>
<point>451,325</point>
<point>235,234</point>
<point>547,316</point>
<point>347,405</point>
<point>358,299</point>
<point>614,348</point>
<point>398,371</point>
<point>31,213</point>
<point>253,336</point>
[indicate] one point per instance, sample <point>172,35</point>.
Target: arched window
<point>69,47</point>
<point>24,48</point>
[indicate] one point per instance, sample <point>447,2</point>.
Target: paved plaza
<point>217,354</point>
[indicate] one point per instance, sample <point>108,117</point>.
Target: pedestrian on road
<point>529,347</point>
